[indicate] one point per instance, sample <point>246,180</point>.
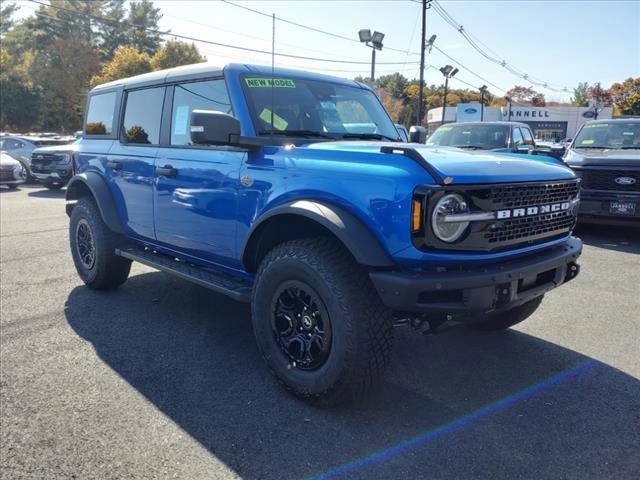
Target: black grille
<point>555,203</point>
<point>6,174</point>
<point>606,180</point>
<point>511,196</point>
<point>525,228</point>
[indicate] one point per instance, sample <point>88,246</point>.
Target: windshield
<point>615,136</point>
<point>470,136</point>
<point>314,108</point>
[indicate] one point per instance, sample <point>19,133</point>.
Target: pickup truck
<point>293,191</point>
<point>606,156</point>
<point>497,137</point>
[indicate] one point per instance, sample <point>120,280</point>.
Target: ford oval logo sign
<point>470,110</point>
<point>589,114</point>
<point>625,180</point>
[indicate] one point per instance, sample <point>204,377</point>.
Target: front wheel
<point>93,247</point>
<point>504,320</point>
<point>319,322</point>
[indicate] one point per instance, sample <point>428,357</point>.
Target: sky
<point>559,42</point>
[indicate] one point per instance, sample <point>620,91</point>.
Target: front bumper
<point>51,177</point>
<point>595,207</point>
<point>479,289</point>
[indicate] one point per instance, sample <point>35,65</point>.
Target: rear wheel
<point>504,320</point>
<point>319,322</point>
<point>93,247</point>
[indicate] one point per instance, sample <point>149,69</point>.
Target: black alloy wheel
<point>301,325</point>
<point>85,244</point>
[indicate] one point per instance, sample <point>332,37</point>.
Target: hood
<point>66,148</point>
<point>584,157</point>
<point>7,160</point>
<point>467,167</point>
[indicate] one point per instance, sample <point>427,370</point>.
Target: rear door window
<point>100,114</point>
<point>187,97</point>
<point>142,115</point>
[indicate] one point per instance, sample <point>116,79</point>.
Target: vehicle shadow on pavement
<point>459,405</point>
<point>46,193</point>
<point>611,237</point>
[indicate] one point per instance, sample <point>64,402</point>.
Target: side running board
<point>414,155</point>
<point>235,289</point>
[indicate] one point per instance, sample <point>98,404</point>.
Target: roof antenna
<point>273,61</point>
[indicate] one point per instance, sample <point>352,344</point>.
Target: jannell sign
<point>525,113</point>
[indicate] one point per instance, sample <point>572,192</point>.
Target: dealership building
<point>547,123</point>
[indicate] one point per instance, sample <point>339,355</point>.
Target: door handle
<point>167,171</point>
<point>114,165</point>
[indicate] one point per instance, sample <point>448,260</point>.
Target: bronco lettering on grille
<point>528,211</point>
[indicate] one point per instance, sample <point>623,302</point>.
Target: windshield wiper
<point>370,136</point>
<point>296,133</point>
<point>475,147</point>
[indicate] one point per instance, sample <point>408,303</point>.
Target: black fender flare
<point>352,232</point>
<point>98,188</point>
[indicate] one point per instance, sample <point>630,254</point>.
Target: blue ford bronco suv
<point>294,192</point>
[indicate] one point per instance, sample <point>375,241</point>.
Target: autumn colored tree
<point>519,94</point>
<point>626,96</point>
<point>175,53</point>
<point>126,62</point>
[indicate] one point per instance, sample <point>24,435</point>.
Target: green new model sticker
<point>269,82</point>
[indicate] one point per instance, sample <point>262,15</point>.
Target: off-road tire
<point>362,332</point>
<point>108,270</point>
<point>504,320</point>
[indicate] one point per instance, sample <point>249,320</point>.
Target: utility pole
<point>423,46</point>
<point>595,108</point>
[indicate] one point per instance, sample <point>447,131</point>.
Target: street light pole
<point>373,65</point>
<point>448,71</point>
<point>373,41</point>
<point>483,89</point>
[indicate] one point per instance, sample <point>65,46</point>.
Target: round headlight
<point>443,222</point>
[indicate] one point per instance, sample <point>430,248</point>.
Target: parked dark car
<point>606,155</point>
<point>53,166</point>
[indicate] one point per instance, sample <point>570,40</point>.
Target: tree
<point>6,22</point>
<point>599,96</point>
<point>174,54</point>
<point>144,18</point>
<point>114,33</point>
<point>394,84</point>
<point>126,62</point>
<point>521,94</point>
<point>626,96</point>
<point>580,98</point>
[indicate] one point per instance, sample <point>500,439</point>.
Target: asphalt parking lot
<point>161,379</point>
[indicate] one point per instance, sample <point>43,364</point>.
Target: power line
<point>332,34</point>
<point>491,56</point>
<point>210,42</point>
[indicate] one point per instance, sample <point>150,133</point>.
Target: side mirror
<point>417,134</point>
<point>210,127</point>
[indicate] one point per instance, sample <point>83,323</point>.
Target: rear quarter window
<point>100,114</point>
